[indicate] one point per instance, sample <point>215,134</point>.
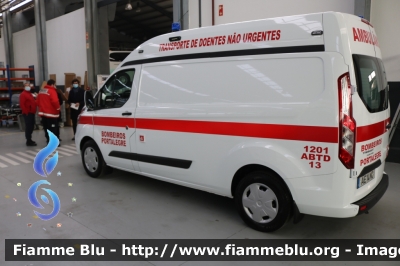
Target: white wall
<point>386,20</point>
<point>25,51</point>
<point>66,46</point>
<point>206,8</point>
<point>2,49</point>
<point>240,10</point>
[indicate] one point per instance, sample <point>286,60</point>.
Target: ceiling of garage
<point>148,18</point>
<point>129,28</point>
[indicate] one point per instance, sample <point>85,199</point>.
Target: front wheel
<point>92,159</point>
<point>263,201</point>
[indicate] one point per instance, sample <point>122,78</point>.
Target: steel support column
<point>92,42</point>
<point>362,8</point>
<point>180,13</point>
<point>8,39</point>
<point>41,40</point>
<point>367,10</point>
<point>104,45</point>
<point>200,13</point>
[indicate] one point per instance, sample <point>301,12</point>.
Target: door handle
<point>388,126</point>
<point>127,113</point>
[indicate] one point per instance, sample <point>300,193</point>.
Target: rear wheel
<point>93,161</point>
<point>263,201</point>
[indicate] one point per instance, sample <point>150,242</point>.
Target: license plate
<point>365,179</point>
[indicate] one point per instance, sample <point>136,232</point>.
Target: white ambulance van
<point>288,116</point>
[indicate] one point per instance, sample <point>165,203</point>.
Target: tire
<point>263,201</point>
<point>93,161</point>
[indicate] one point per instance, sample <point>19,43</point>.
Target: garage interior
<point>122,205</point>
<point>144,21</point>
<point>130,22</point>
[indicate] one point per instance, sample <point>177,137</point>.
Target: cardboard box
<point>17,84</point>
<point>86,81</point>
<point>53,77</point>
<point>68,79</point>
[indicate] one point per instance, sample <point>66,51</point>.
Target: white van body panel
<point>201,99</point>
<point>293,31</point>
<point>306,104</point>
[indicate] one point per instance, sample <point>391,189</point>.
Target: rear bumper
<point>372,198</point>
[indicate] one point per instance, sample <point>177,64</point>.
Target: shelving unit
<point>3,89</point>
<point>9,90</point>
<point>9,110</point>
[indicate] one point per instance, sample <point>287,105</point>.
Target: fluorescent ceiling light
<point>20,4</point>
<point>128,6</point>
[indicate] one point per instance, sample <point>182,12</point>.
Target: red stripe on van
<point>271,131</point>
<point>287,132</point>
<point>114,121</point>
<point>372,131</point>
<point>84,119</point>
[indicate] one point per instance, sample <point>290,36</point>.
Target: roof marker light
<point>317,32</point>
<point>174,39</point>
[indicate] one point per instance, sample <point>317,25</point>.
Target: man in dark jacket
<point>28,107</point>
<point>49,108</point>
<point>76,99</point>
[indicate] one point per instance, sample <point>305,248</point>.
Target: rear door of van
<point>367,108</point>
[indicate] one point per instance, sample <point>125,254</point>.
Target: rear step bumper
<point>372,198</point>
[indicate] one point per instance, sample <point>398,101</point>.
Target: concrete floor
<point>123,205</point>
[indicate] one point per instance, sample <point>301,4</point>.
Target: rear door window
<point>371,82</point>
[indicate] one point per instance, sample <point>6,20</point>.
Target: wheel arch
<point>84,140</point>
<point>246,169</point>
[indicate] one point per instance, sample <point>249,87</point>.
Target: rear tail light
<point>347,124</point>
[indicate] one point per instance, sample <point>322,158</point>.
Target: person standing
<point>61,99</point>
<point>28,107</point>
<point>49,109</point>
<point>76,99</point>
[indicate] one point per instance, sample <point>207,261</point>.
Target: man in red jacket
<point>49,108</point>
<point>28,107</point>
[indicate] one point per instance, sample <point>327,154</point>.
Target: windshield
<point>371,82</point>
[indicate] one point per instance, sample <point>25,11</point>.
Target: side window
<point>116,91</point>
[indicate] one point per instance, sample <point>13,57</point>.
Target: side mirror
<point>89,102</point>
